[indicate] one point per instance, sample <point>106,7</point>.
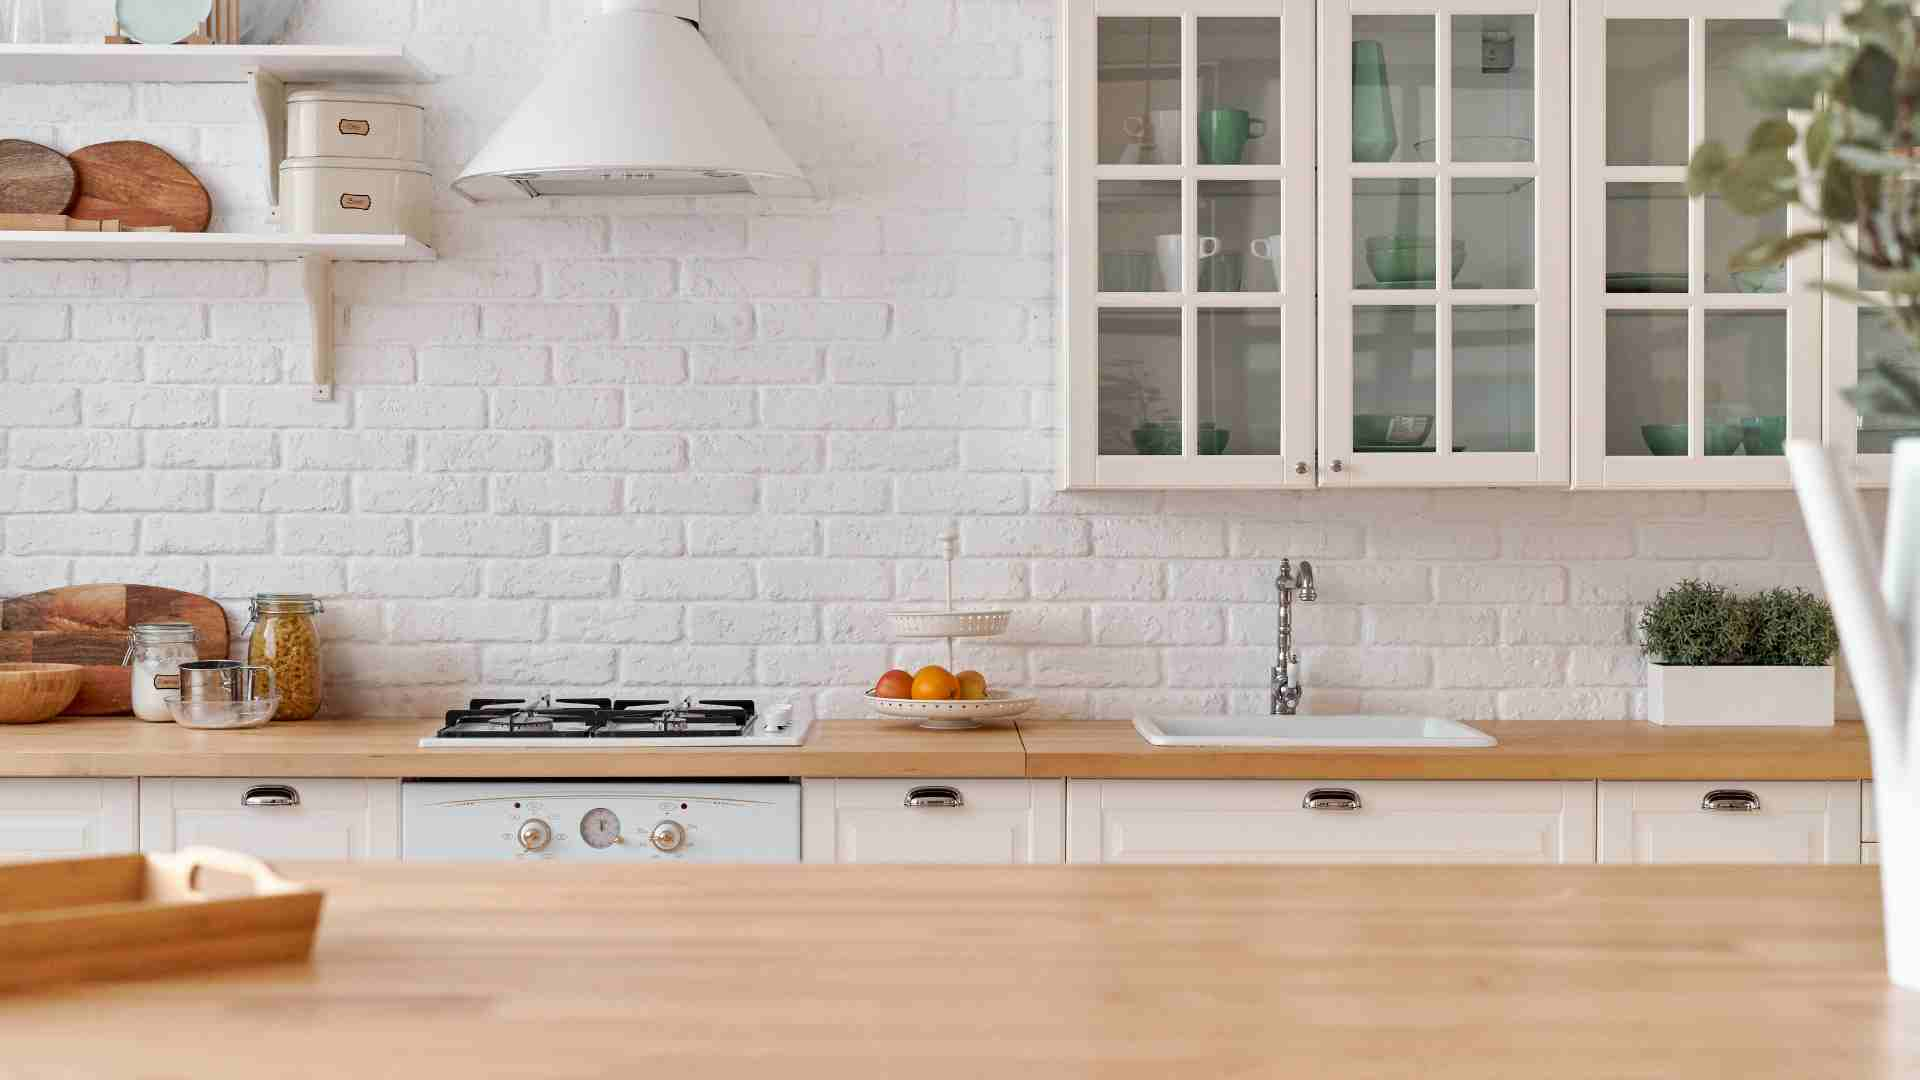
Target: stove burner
<point>582,718</point>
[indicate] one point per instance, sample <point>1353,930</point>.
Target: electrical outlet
<point>1496,52</point>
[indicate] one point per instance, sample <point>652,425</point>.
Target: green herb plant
<point>1698,624</point>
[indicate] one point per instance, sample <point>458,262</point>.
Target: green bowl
<point>1724,440</point>
<point>1410,258</point>
<point>1391,429</point>
<point>1764,434</point>
<point>1665,440</point>
<point>1157,437</point>
<point>1770,280</point>
<point>1213,440</point>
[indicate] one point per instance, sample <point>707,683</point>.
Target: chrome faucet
<point>1285,685</point>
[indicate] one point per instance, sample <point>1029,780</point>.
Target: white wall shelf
<point>208,63</point>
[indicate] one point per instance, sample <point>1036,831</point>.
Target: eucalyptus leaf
<point>1816,12</point>
<point>1819,139</point>
<point>1838,201</point>
<point>1775,133</point>
<point>1849,294</point>
<point>1887,390</point>
<point>1867,160</point>
<point>1869,85</point>
<point>1756,184</point>
<point>1905,283</point>
<point>1709,164</point>
<point>1786,73</point>
<point>1771,251</point>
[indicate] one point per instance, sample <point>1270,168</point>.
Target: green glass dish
<point>1764,434</point>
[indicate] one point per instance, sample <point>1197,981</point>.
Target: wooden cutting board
<point>138,184</point>
<point>87,625</point>
<point>34,179</point>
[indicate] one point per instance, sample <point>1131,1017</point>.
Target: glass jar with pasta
<point>282,636</point>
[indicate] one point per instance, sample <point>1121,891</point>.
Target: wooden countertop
<point>1445,973</point>
<point>388,747</point>
<point>1093,749</point>
<point>1528,750</point>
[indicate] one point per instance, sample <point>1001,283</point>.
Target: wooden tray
<point>143,916</point>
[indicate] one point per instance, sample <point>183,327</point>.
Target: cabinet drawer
<point>1261,821</point>
<point>273,818</point>
<point>66,819</point>
<point>1770,822</point>
<point>995,822</point>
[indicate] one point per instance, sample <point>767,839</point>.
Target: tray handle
<point>172,877</point>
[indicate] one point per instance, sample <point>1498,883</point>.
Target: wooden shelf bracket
<point>316,277</point>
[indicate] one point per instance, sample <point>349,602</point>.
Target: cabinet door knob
<point>271,795</point>
<point>1338,799</point>
<point>1730,801</point>
<point>1300,469</point>
<point>935,796</point>
<point>1338,466</point>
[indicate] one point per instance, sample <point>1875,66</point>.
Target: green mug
<point>1224,134</point>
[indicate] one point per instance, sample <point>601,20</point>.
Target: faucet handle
<point>1308,592</point>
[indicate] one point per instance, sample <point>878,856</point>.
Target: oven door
<point>606,821</point>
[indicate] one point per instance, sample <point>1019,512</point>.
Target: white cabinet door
<point>1276,821</point>
<point>1729,822</point>
<point>985,822</point>
<point>64,819</point>
<point>1869,817</point>
<point>1186,157</point>
<point>274,818</point>
<point>1685,375</point>
<point>1444,191</point>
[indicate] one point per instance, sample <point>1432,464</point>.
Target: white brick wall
<point>707,444</point>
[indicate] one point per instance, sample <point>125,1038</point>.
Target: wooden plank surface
<point>1528,750</point>
<point>34,179</point>
<point>137,183</point>
<point>383,747</point>
<point>1440,973</point>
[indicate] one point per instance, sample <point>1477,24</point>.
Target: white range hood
<point>636,105</point>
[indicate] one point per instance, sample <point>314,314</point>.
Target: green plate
<point>1389,448</point>
<point>1646,283</point>
<point>160,22</point>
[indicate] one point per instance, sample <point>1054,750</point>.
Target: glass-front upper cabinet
<point>1443,272</point>
<point>1187,222</point>
<point>1687,375</point>
<point>1858,339</point>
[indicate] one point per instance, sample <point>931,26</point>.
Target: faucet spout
<point>1284,685</point>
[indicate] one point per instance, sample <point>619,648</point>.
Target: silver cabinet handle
<point>1338,799</point>
<point>271,795</point>
<point>935,796</point>
<point>1300,469</point>
<point>1730,801</point>
<point>1338,466</point>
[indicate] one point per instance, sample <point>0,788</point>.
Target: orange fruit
<point>934,683</point>
<point>894,684</point>
<point>973,686</point>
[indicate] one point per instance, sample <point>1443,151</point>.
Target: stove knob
<point>668,836</point>
<point>535,835</point>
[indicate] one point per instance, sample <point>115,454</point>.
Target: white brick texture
<point>653,446</point>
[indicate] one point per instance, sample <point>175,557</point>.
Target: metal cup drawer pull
<point>271,795</point>
<point>1337,799</point>
<point>1730,801</point>
<point>935,796</point>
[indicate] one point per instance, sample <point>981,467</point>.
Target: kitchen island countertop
<point>544,971</point>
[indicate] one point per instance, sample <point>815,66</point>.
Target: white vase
<point>1679,695</point>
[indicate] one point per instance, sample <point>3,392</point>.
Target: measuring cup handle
<point>267,671</point>
<point>1256,127</point>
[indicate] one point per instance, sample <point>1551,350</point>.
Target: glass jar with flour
<point>158,649</point>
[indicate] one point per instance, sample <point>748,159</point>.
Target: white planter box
<point>1740,696</point>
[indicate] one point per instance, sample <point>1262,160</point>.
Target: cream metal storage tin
<point>354,123</point>
<point>356,195</point>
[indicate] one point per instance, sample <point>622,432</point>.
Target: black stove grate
<point>585,718</point>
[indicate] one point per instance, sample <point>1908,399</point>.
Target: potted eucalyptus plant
<point>1717,659</point>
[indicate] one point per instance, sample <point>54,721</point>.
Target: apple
<point>973,686</point>
<point>894,684</point>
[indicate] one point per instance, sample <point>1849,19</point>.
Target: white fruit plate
<point>952,715</point>
<point>949,623</point>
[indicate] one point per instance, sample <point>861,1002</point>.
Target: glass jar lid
<point>275,603</point>
<point>142,635</point>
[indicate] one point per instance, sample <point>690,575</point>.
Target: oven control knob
<point>668,836</point>
<point>535,835</point>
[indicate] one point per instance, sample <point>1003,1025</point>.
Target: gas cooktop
<point>584,723</point>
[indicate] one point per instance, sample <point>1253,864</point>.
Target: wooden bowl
<point>30,693</point>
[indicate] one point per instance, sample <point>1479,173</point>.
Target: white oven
<point>613,821</point>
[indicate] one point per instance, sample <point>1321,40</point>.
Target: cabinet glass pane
<point>1727,233</point>
<point>1647,92</point>
<point>1239,380</point>
<point>1239,65</point>
<point>1881,341</point>
<point>1746,382</point>
<point>1493,220</point>
<point>1646,383</point>
<point>1493,76</point>
<point>1393,235</point>
<point>1140,246</point>
<point>1393,380</point>
<point>1140,91</point>
<point>1393,88</point>
<point>1493,378</point>
<point>1139,381</point>
<point>1646,238</point>
<point>1729,113</point>
<point>1240,222</point>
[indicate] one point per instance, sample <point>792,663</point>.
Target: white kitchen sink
<point>1356,729</point>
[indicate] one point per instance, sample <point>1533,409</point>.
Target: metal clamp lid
<point>285,604</point>
<point>158,633</point>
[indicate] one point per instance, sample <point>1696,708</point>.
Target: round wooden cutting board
<point>87,625</point>
<point>34,179</point>
<point>138,184</point>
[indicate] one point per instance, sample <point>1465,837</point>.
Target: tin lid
<point>351,95</point>
<point>296,164</point>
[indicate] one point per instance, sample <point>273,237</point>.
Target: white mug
<point>1268,248</point>
<point>1161,134</point>
<point>1167,248</point>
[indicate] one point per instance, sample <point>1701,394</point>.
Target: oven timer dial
<point>535,835</point>
<point>668,836</point>
<point>600,828</point>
